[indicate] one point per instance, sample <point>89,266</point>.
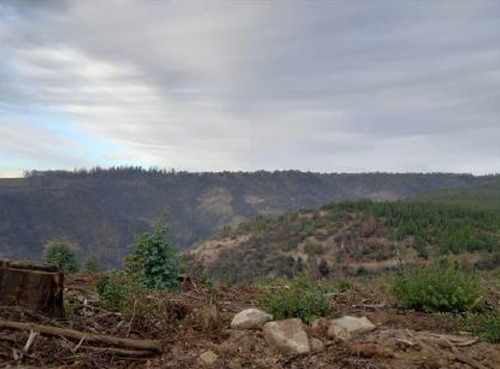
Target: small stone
<point>338,333</point>
<point>354,325</point>
<point>316,345</point>
<point>208,358</point>
<point>250,319</point>
<point>288,336</point>
<point>320,326</point>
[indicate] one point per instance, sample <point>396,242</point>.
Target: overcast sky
<point>318,85</point>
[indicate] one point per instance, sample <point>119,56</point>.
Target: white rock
<point>209,358</point>
<point>287,336</point>
<point>250,318</point>
<point>354,325</point>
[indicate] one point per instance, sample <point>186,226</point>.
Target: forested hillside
<point>100,211</point>
<point>485,195</point>
<point>350,237</point>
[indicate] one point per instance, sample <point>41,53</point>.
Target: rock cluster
<point>290,336</point>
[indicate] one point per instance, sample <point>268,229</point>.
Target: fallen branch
<point>79,344</point>
<point>374,306</point>
<point>29,343</point>
<point>468,343</point>
<point>119,352</point>
<point>89,337</point>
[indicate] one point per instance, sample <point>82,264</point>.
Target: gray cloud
<point>403,86</point>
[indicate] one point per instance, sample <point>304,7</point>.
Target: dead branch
<point>468,343</point>
<point>79,344</point>
<point>120,352</point>
<point>30,341</point>
<point>89,337</point>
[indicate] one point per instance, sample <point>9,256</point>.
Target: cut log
<point>31,285</point>
<point>126,343</point>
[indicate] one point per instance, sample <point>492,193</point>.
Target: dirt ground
<point>403,340</point>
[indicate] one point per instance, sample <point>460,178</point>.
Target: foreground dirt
<point>404,339</point>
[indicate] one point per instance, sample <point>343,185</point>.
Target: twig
<point>131,319</point>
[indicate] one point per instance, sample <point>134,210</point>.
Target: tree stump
<point>32,285</point>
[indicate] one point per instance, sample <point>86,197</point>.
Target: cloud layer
<point>328,86</point>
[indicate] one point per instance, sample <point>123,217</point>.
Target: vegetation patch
<point>438,289</point>
<point>300,297</point>
<point>61,254</point>
<point>486,326</point>
<point>154,259</point>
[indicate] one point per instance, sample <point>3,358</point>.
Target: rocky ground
<point>199,334</point>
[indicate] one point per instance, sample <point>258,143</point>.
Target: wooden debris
<point>126,343</point>
<point>32,285</point>
<point>31,340</point>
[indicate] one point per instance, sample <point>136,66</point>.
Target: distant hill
<point>484,195</point>
<point>101,211</point>
<point>350,237</point>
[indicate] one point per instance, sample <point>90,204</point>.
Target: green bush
<point>438,289</point>
<point>60,253</point>
<point>486,326</point>
<point>300,297</point>
<point>115,290</point>
<point>155,260</point>
<point>91,264</point>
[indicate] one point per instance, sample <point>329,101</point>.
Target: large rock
<point>250,318</point>
<point>288,336</point>
<point>353,325</point>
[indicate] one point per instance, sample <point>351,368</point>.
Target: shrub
<point>438,289</point>
<point>60,253</point>
<point>115,289</point>
<point>124,292</point>
<point>314,249</point>
<point>91,264</point>
<point>301,297</point>
<point>486,326</point>
<point>155,260</point>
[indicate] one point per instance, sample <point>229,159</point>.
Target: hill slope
<point>102,210</point>
<point>346,237</point>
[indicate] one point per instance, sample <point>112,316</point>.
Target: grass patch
<point>486,326</point>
